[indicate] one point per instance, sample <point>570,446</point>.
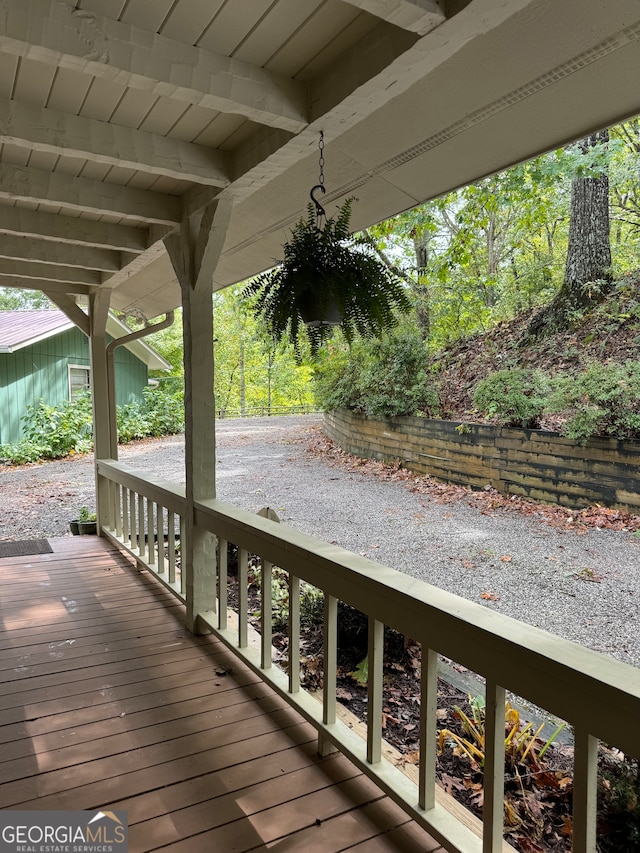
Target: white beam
<point>46,285</point>
<point>38,185</point>
<point>72,230</point>
<point>62,254</point>
<point>28,269</point>
<point>42,129</point>
<point>418,16</point>
<point>70,307</point>
<point>59,34</point>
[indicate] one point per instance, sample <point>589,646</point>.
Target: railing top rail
<point>556,674</point>
<point>170,495</point>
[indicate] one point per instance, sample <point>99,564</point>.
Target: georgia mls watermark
<point>63,832</point>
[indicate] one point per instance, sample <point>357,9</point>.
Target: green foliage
<point>86,515</point>
<point>604,400</point>
<point>62,429</point>
<point>512,397</point>
<point>326,266</point>
<point>380,378</point>
<point>55,431</point>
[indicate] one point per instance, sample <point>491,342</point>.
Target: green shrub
<point>22,452</point>
<point>62,429</point>
<point>604,400</point>
<point>512,397</point>
<point>380,378</point>
<point>55,431</point>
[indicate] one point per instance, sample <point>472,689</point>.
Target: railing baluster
<point>118,515</point>
<point>141,548</point>
<point>171,546</point>
<point>493,809</point>
<point>132,519</point>
<point>585,782</point>
<point>243,603</point>
<point>330,666</point>
<point>183,539</point>
<point>151,539</point>
<point>267,615</point>
<point>374,690</point>
<point>160,538</point>
<point>223,595</point>
<point>125,514</point>
<point>294,633</point>
<point>428,728</point>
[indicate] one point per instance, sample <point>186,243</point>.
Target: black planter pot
<point>86,528</point>
<point>314,313</point>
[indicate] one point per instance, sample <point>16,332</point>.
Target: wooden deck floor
<point>106,700</point>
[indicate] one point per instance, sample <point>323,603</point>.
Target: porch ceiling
<point>118,117</point>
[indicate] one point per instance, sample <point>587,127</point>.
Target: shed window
<point>79,380</point>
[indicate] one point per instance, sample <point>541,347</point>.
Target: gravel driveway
<point>585,587</point>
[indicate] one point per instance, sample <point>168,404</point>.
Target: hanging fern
<point>329,267</point>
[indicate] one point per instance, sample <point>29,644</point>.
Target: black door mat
<point>25,548</point>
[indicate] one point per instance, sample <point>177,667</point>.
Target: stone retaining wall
<point>537,464</point>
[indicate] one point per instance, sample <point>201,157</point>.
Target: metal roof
<point>120,117</point>
<point>19,329</point>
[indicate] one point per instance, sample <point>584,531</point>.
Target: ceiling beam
<point>59,254</point>
<point>46,285</point>
<point>29,269</point>
<point>43,129</point>
<point>418,16</point>
<point>38,185</point>
<point>72,230</point>
<point>59,34</point>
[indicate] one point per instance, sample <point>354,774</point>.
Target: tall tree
<point>588,276</point>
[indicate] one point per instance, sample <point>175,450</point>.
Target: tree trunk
<point>420,287</point>
<point>587,277</point>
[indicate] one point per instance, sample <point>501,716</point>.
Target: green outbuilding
<point>44,356</point>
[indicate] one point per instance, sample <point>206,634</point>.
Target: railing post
<point>493,809</point>
<point>160,537</point>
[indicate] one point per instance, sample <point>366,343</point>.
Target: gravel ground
<point>582,586</point>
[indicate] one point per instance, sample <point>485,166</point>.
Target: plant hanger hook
<point>319,208</point>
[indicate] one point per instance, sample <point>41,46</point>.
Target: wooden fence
<point>536,464</point>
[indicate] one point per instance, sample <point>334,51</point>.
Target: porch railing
<point>592,692</point>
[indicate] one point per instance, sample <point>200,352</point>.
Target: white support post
<point>267,615</point>
<point>194,251</point>
<point>294,634</point>
<point>330,666</point>
<point>98,314</point>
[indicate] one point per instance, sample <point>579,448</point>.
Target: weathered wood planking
<point>533,463</point>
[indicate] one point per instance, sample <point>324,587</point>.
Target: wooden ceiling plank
<point>64,36</point>
<point>85,194</point>
<point>43,129</point>
<point>418,16</point>
<point>69,275</point>
<point>68,229</point>
<point>59,254</point>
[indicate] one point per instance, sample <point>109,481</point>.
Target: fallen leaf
<point>489,596</point>
<point>506,559</point>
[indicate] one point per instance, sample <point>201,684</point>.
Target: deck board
<point>106,700</point>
